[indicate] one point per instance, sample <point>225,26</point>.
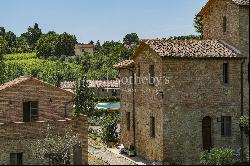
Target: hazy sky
<point>102,19</point>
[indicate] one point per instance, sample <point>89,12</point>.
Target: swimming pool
<point>108,105</point>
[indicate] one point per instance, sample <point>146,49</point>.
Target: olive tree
<point>55,148</point>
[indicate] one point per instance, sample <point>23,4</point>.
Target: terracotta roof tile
<point>241,2</point>
<point>193,48</point>
<point>84,46</point>
<point>124,64</point>
<point>22,79</point>
<point>93,84</point>
<point>14,82</point>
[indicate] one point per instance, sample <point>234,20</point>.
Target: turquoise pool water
<point>108,105</point>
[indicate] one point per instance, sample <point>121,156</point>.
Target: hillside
<point>28,64</point>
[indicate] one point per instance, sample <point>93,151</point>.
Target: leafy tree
<point>22,46</point>
<point>65,45</point>
<point>198,25</point>
<point>91,42</point>
<point>10,37</point>
<point>3,46</point>
<point>51,32</point>
<point>32,35</point>
<point>85,62</point>
<point>2,31</point>
<point>2,69</point>
<point>84,99</point>
<point>109,127</point>
<point>131,39</point>
<point>46,45</point>
<point>52,44</point>
<point>97,46</point>
<point>55,148</point>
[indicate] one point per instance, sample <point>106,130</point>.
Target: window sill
<point>226,137</point>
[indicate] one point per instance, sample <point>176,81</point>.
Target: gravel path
<point>107,156</point>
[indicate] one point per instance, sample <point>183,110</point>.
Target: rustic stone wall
<point>192,89</point>
<point>126,97</point>
<point>147,104</point>
<point>15,137</point>
<point>213,22</point>
<point>11,101</point>
<point>237,33</point>
<point>196,90</point>
<point>244,47</point>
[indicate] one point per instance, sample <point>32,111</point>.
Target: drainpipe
<point>242,108</point>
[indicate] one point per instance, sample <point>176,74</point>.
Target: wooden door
<point>26,112</point>
<point>207,133</point>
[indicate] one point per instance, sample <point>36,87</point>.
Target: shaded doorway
<point>207,133</point>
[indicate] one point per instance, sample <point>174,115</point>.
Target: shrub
<point>244,123</point>
<point>109,127</point>
<point>218,156</point>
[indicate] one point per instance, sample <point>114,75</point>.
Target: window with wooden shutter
<point>226,126</point>
<point>152,127</point>
<point>34,110</point>
<point>30,111</point>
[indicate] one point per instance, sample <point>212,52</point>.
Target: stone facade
<point>187,91</point>
<point>54,108</point>
<point>195,91</point>
<point>190,89</point>
<point>237,33</point>
<point>16,138</point>
<point>51,101</point>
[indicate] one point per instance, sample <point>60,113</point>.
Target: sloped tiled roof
<point>84,46</point>
<point>93,84</point>
<point>23,79</point>
<point>241,2</point>
<point>14,82</point>
<point>193,48</point>
<point>124,64</point>
<point>238,2</point>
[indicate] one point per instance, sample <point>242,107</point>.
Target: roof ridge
<point>180,40</point>
<point>230,46</point>
<point>22,79</point>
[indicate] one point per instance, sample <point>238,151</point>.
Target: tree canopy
<point>198,25</point>
<point>32,35</point>
<point>52,44</point>
<point>84,99</point>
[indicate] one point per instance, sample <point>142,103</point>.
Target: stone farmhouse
<point>187,96</point>
<point>101,88</point>
<point>81,48</point>
<point>27,107</point>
